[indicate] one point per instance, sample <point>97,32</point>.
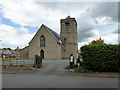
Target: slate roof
<point>55,35</point>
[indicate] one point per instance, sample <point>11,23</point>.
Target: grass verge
<point>7,59</point>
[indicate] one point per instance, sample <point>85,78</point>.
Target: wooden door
<point>42,54</point>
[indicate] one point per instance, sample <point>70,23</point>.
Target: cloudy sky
<point>20,20</point>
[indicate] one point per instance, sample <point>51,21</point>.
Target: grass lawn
<point>7,59</point>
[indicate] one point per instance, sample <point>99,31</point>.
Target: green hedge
<point>101,58</point>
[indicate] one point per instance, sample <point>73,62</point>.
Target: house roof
<point>7,52</point>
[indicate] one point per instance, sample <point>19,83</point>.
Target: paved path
<point>54,66</point>
<point>54,75</point>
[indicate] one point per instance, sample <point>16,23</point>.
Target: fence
<point>19,62</point>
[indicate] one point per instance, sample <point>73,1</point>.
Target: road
<point>54,75</point>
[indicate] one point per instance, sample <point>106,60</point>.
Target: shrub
<point>79,55</point>
<point>100,57</point>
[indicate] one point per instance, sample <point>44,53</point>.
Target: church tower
<point>68,36</point>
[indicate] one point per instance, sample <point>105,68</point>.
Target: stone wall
<point>52,49</point>
<point>23,53</point>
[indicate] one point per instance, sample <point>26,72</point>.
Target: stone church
<point>50,45</point>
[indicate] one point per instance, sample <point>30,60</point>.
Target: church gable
<point>55,35</point>
<point>45,40</point>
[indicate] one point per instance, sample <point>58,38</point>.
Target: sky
<point>20,20</point>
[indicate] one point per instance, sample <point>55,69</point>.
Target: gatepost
<point>38,61</point>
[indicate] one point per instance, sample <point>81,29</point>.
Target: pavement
<point>54,75</point>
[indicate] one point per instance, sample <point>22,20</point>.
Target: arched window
<point>42,41</point>
<point>64,42</point>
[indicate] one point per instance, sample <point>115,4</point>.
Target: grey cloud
<point>64,7</point>
<point>109,9</point>
<point>7,44</point>
<point>85,27</point>
<point>83,35</point>
<point>117,31</point>
<point>118,11</point>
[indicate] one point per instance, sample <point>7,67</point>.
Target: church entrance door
<point>42,54</point>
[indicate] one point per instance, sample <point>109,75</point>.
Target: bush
<point>101,58</point>
<point>79,55</point>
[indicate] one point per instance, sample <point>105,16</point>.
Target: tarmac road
<point>54,81</point>
<point>54,75</point>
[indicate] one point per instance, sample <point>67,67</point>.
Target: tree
<point>9,49</point>
<point>6,49</point>
<point>99,41</point>
<point>15,49</point>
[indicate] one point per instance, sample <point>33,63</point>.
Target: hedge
<point>101,58</point>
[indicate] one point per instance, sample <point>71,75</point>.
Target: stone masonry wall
<point>52,49</point>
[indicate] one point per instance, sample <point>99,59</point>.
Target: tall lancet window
<point>64,42</point>
<point>42,41</point>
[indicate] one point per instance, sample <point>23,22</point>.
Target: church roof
<point>55,35</point>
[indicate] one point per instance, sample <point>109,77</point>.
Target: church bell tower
<point>68,36</point>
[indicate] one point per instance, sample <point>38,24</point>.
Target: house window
<point>42,41</point>
<point>67,24</point>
